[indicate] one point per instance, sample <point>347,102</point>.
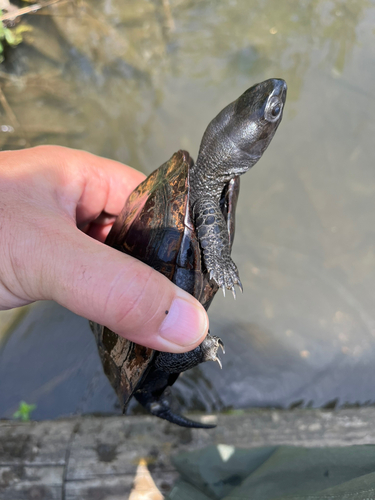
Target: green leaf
<point>24,411</point>
<point>18,31</point>
<point>10,37</point>
<point>22,28</point>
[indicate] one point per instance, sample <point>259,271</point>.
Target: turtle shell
<point>155,226</point>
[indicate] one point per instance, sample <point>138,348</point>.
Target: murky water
<point>135,81</point>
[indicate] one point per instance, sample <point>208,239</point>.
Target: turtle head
<point>235,140</point>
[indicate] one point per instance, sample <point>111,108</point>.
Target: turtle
<point>181,221</point>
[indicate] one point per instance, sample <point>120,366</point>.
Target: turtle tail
<point>160,408</point>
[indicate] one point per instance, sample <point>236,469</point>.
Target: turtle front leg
<point>214,240</point>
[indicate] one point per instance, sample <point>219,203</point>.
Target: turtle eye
<point>273,109</point>
<point>276,110</point>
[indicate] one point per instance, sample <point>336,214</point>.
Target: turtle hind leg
<point>164,373</point>
<point>177,363</point>
<point>151,396</point>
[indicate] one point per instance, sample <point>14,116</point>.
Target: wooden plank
<point>109,487</point>
<point>24,483</point>
<point>35,443</point>
<point>93,457</point>
<point>140,485</point>
<point>116,446</point>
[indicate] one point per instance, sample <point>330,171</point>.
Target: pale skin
<point>57,206</point>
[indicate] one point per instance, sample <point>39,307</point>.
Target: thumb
<point>120,292</point>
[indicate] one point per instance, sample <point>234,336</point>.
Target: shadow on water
<point>136,81</point>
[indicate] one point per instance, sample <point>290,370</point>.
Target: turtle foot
<point>209,348</point>
<point>223,271</point>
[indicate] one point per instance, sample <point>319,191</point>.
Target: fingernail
<point>185,322</point>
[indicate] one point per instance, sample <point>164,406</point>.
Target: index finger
<point>106,184</point>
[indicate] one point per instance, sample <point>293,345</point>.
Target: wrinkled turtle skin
<point>181,222</point>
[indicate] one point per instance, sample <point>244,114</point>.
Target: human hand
<point>57,206</point>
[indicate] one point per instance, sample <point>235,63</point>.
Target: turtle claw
<point>239,285</point>
<point>223,288</point>
<point>221,344</point>
<point>209,348</point>
<point>234,292</point>
<point>217,359</point>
